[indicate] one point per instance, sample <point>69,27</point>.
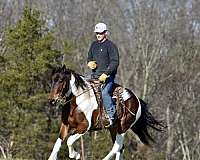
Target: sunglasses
<point>100,33</point>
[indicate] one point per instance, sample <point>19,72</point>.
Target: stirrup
<point>111,123</point>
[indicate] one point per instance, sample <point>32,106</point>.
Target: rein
<point>76,96</point>
<point>67,93</point>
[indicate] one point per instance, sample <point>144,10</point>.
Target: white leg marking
<point>118,156</point>
<point>70,141</point>
<point>117,146</point>
<point>56,148</point>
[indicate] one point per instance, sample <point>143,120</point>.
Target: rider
<point>103,59</point>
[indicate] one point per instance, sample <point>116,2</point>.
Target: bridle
<point>62,99</point>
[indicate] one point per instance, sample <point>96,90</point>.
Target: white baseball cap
<point>100,27</point>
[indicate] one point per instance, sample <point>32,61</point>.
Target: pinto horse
<point>80,113</point>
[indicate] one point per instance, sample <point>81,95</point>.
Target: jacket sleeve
<point>90,57</point>
<point>113,58</point>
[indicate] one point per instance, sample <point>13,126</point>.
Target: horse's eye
<point>55,80</point>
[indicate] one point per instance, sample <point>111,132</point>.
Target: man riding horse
<point>80,110</point>
<point>103,60</point>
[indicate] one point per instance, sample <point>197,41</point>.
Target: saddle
<point>102,117</point>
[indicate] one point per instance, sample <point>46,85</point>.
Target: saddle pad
<point>125,94</point>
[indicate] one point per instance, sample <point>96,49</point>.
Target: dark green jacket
<point>106,55</point>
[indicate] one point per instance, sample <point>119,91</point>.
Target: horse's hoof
<point>71,156</point>
<point>76,156</point>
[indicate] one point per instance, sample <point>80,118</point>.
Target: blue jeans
<point>108,102</point>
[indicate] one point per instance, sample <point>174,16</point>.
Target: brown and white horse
<point>80,112</point>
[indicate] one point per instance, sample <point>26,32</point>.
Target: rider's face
<point>100,36</point>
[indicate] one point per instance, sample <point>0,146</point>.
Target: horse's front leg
<point>70,141</point>
<point>63,133</point>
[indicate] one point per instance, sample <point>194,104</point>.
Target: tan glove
<point>92,64</point>
<point>103,77</point>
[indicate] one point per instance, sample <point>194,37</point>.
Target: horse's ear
<point>63,68</point>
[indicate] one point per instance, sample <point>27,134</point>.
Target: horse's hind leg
<point>63,133</point>
<point>70,141</point>
<point>119,154</point>
<point>116,147</point>
<point>113,133</point>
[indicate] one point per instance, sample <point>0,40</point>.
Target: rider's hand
<point>103,77</point>
<point>92,64</point>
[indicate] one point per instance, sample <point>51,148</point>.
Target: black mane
<point>79,82</point>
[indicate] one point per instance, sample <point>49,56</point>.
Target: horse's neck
<point>68,108</point>
<point>76,91</point>
<point>84,97</point>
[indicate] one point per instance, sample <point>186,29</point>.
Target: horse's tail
<point>146,120</point>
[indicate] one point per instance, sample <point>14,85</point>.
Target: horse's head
<point>60,87</point>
